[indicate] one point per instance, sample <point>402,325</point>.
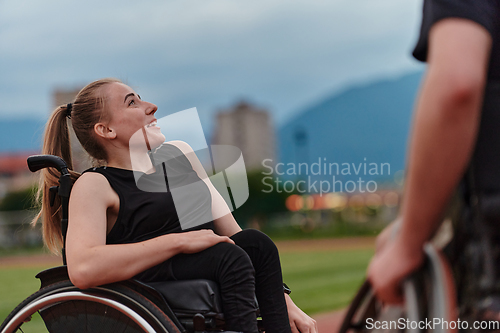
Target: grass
<point>311,230</point>
<point>16,284</point>
<point>337,231</point>
<point>320,281</point>
<point>326,280</point>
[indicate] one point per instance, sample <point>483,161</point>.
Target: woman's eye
<point>131,102</point>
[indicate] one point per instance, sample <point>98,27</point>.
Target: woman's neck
<point>132,160</point>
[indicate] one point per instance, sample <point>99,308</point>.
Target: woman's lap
<point>249,267</point>
<point>249,245</point>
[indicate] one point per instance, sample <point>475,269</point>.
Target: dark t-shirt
<point>483,12</point>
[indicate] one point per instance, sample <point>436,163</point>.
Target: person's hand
<point>299,321</point>
<point>390,267</point>
<point>199,240</point>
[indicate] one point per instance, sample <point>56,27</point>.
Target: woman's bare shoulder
<point>90,178</point>
<point>92,186</point>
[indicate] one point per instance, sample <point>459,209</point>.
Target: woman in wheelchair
<point>117,231</point>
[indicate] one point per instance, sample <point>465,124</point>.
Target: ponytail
<point>87,110</point>
<point>56,142</point>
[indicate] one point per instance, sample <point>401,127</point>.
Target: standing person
<point>117,231</point>
<point>455,128</point>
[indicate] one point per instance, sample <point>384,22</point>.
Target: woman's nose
<point>151,109</point>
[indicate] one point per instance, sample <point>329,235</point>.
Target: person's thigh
<point>211,263</point>
<point>231,267</point>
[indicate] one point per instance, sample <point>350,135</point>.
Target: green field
<point>323,281</point>
<point>320,281</point>
<point>15,285</point>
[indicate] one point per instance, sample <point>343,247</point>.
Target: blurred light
<point>319,202</point>
<point>373,201</point>
<point>356,201</point>
<point>308,202</point>
<point>335,201</point>
<point>330,200</point>
<point>391,199</point>
<point>294,202</point>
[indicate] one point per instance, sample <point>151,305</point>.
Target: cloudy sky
<point>282,55</point>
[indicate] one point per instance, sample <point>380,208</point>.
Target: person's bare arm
<point>91,262</point>
<point>225,224</point>
<point>445,125</point>
<point>442,140</point>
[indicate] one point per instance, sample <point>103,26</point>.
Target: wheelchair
<point>430,301</point>
<point>462,287</point>
<point>190,306</point>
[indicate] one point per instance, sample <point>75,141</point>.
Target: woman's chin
<point>155,136</point>
<point>156,140</point>
<point>148,139</point>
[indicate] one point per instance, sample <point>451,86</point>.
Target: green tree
<point>259,204</point>
<point>19,200</point>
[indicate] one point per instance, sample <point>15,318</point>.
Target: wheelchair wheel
<point>429,295</point>
<point>65,308</point>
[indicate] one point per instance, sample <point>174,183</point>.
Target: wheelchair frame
<point>131,306</point>
<point>429,293</point>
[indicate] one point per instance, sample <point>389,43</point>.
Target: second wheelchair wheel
<point>61,307</point>
<point>429,296</point>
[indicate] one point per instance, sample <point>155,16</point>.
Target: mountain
<point>21,134</point>
<point>362,125</point>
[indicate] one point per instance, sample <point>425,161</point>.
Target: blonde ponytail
<point>87,109</point>
<point>56,142</point>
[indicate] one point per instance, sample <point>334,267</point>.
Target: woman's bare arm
<point>225,224</point>
<point>91,262</point>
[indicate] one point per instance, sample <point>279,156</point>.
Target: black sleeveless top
<point>147,208</point>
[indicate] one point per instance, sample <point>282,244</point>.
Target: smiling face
<point>132,122</point>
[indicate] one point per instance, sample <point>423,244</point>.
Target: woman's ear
<point>104,131</point>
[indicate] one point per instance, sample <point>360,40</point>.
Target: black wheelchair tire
<point>133,303</point>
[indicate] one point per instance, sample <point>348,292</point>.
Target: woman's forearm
<point>110,263</point>
<point>101,264</point>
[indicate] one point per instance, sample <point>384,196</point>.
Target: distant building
<point>62,96</point>
<point>250,129</point>
<point>81,159</point>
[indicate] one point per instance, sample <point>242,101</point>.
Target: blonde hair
<point>87,110</point>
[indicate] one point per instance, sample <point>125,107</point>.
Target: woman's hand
<point>299,321</point>
<point>390,266</point>
<point>199,240</point>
